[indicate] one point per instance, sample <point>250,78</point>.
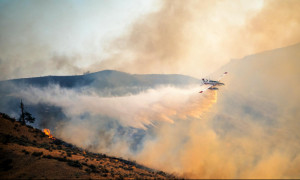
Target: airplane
<point>212,84</point>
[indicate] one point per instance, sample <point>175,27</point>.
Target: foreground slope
<point>27,153</point>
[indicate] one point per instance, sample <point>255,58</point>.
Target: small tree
<point>25,116</point>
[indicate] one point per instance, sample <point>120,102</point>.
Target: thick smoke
<point>186,37</point>
<point>93,121</point>
<point>130,110</point>
<point>198,37</point>
<point>247,129</point>
<point>250,132</point>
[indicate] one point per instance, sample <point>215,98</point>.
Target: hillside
<point>107,83</point>
<point>28,153</point>
<point>105,79</point>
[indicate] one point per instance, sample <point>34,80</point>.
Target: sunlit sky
<point>39,38</point>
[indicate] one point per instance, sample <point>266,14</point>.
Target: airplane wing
<point>206,88</point>
<point>222,75</point>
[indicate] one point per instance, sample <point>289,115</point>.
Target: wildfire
<point>47,132</point>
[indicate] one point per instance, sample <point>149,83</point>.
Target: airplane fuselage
<point>212,84</point>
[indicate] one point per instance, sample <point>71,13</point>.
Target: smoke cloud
<point>198,37</point>
<point>186,37</point>
<point>130,110</point>
<point>90,117</point>
<point>247,129</point>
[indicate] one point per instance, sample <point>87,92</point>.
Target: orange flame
<point>47,132</point>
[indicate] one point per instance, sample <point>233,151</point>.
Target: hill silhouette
<point>104,83</point>
<point>106,79</point>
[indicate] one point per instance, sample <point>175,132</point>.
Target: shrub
<point>61,159</point>
<point>7,117</point>
<point>57,142</point>
<point>88,170</point>
<point>48,157</point>
<point>161,173</point>
<point>37,154</point>
<point>6,165</point>
<point>103,170</point>
<point>92,166</point>
<point>74,164</point>
<point>24,151</point>
<point>30,127</point>
<point>120,177</point>
<point>6,139</point>
<point>69,154</point>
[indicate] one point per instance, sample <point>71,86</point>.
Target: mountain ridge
<point>108,71</point>
<point>104,83</point>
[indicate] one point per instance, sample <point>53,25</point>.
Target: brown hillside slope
<point>26,152</point>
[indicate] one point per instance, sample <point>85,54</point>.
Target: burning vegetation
<point>47,132</point>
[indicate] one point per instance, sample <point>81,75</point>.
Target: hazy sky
<point>61,37</point>
<point>196,38</point>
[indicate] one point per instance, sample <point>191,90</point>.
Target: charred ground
<point>26,152</point>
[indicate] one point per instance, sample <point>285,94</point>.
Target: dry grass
<point>28,153</point>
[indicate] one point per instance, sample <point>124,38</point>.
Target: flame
<point>47,132</point>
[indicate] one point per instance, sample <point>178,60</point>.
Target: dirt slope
<point>26,152</point>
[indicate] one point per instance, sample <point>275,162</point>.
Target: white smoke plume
<point>133,110</point>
